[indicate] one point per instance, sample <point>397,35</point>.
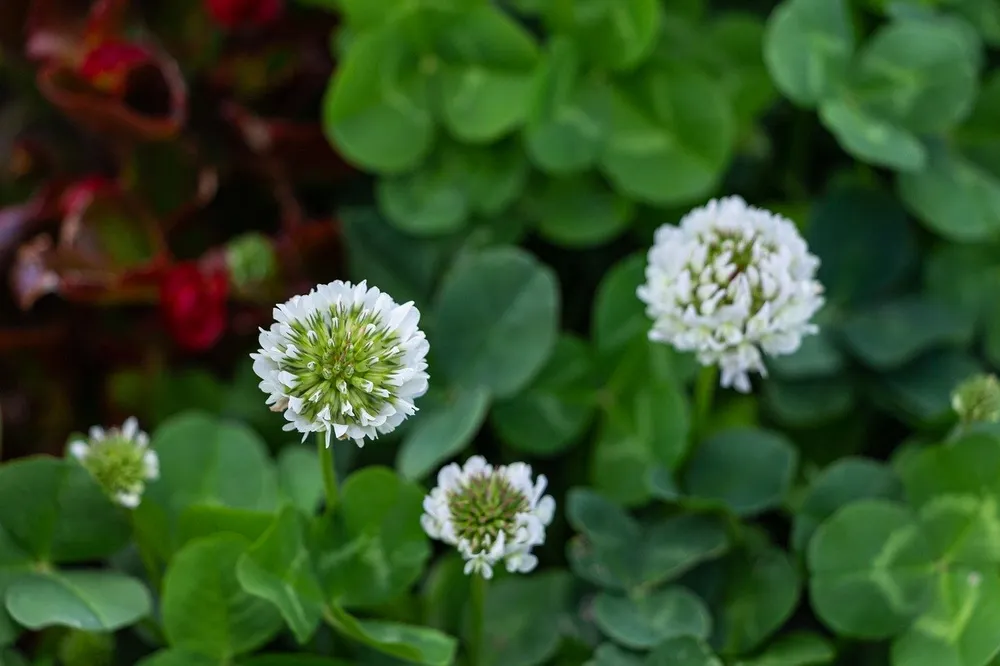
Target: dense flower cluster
<point>490,514</point>
<point>731,283</point>
<point>343,359</point>
<point>977,399</point>
<point>120,460</point>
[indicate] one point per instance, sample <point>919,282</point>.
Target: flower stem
<point>478,603</point>
<point>329,473</point>
<point>704,391</point>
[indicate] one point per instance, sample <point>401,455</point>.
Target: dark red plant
<point>193,304</point>
<point>233,14</point>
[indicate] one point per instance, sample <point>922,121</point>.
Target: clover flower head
<point>345,360</point>
<point>120,460</point>
<point>731,283</point>
<point>489,514</point>
<point>977,399</point>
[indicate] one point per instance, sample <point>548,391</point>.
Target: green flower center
<point>345,361</point>
<point>485,506</point>
<point>740,248</point>
<point>117,464</point>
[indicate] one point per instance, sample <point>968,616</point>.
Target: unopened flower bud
<point>251,260</point>
<point>977,399</point>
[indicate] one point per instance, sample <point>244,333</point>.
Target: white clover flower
<point>120,460</point>
<point>731,282</point>
<point>490,514</point>
<point>343,359</point>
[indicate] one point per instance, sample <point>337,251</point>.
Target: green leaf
<point>763,587</point>
<point>378,549</point>
<point>522,613</point>
<point>172,657</point>
<point>890,335</point>
<point>612,34</point>
<point>608,654</point>
<point>683,651</point>
<point>749,471</point>
<point>299,476</point>
<point>817,357</point>
<point>86,600</point>
<point>739,38</point>
<point>870,570</point>
<point>55,512</point>
<point>809,403</point>
<point>292,660</point>
<point>279,568</point>
<point>205,461</point>
<point>795,649</point>
<point>579,211</point>
<point>808,47</point>
<point>871,138</point>
<point>376,110</point>
<point>555,410</point>
<point>959,627</point>
<point>919,74</point>
<point>866,248</point>
<point>204,608</point>
<point>497,315</point>
<point>965,276</point>
<point>672,134</point>
<point>198,521</point>
<point>644,622</point>
<point>921,391</point>
<point>677,545</point>
<point>415,644</point>
<point>846,480</point>
<point>619,316</point>
<point>967,466</point>
<point>567,125</point>
<point>487,62</point>
<point>979,136</point>
<point>954,197</point>
<point>441,431</point>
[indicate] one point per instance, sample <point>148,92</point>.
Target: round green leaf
<point>979,135</point>
<point>683,651</point>
<point>568,122</point>
<point>870,570</point>
<point>921,391</point>
<point>205,609</point>
<point>441,431</point>
<point>497,316</point>
<point>866,247</point>
<point>890,335</point>
<point>415,644</point>
<point>172,657</point>
<point>808,47</point>
<point>378,549</point>
<point>376,110</point>
<point>919,74</point>
<point>292,660</point>
<point>677,545</point>
<point>204,461</point>
<point>521,614</point>
<point>644,622</point>
<point>278,568</point>
<point>616,34</point>
<point>762,590</point>
<point>795,649</point>
<point>808,403</point>
<point>954,197</point>
<point>86,600</point>
<point>619,316</point>
<point>749,471</point>
<point>608,654</point>
<point>299,476</point>
<point>959,628</point>
<point>430,201</point>
<point>967,466</point>
<point>845,481</point>
<point>870,138</point>
<point>579,211</point>
<point>555,410</point>
<point>601,520</point>
<point>739,38</point>
<point>54,511</point>
<point>487,61</point>
<point>672,133</point>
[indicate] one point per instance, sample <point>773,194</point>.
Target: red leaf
<point>244,13</point>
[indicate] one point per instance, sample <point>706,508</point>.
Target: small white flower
<point>120,460</point>
<point>343,359</point>
<point>489,514</point>
<point>731,283</point>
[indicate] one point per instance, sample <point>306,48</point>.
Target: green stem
<point>329,473</point>
<point>478,602</point>
<point>146,555</point>
<point>704,391</point>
